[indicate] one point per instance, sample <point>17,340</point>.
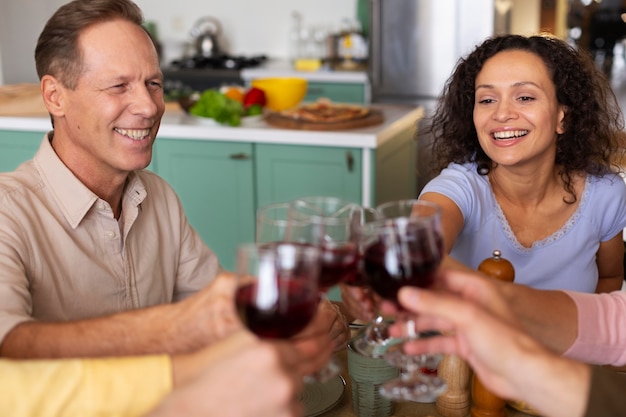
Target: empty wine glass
<point>405,247</point>
<point>277,294</point>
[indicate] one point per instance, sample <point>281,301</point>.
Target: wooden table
<point>406,409</point>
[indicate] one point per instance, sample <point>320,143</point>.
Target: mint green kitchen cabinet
<point>338,92</point>
<point>214,181</point>
<point>222,184</point>
<point>285,172</point>
<point>17,146</point>
<point>394,168</point>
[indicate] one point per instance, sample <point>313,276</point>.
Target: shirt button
<point>110,234</point>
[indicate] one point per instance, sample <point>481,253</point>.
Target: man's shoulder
<point>23,177</point>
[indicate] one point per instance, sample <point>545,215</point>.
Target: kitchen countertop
<point>396,119</point>
<point>21,108</point>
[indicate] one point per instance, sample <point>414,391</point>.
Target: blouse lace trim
<point>554,236</point>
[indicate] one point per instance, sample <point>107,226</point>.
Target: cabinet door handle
<point>240,156</point>
<point>349,161</point>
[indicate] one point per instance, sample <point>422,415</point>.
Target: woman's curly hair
<point>593,124</point>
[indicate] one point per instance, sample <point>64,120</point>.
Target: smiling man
<point>106,122</point>
<point>97,257</point>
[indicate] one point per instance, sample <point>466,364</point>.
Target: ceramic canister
<point>367,374</point>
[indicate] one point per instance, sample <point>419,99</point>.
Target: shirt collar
<point>71,195</point>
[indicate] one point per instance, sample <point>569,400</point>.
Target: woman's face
<point>516,113</point>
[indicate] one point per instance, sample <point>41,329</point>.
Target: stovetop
<point>199,73</point>
<point>226,62</point>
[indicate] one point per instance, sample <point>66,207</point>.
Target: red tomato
<point>254,96</point>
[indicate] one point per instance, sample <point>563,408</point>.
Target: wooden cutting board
<point>21,100</point>
<point>374,117</point>
<point>25,100</point>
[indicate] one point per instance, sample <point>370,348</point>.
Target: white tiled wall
<point>250,26</point>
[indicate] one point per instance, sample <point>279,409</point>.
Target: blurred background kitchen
<point>395,51</point>
<point>269,28</point>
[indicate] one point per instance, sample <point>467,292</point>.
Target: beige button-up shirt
<point>63,256</point>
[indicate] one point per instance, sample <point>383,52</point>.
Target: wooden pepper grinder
<point>485,403</point>
<point>455,401</point>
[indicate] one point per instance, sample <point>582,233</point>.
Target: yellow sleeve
<point>111,387</point>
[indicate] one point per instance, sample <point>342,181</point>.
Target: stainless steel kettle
<point>206,33</point>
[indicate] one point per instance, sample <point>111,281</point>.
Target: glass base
<point>373,340</point>
<point>328,372</point>
<point>415,387</point>
<point>395,356</point>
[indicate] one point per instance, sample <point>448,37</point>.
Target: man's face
<point>111,119</point>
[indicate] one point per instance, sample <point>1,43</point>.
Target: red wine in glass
<point>388,268</point>
<point>339,263</point>
<point>333,228</point>
<point>277,293</point>
<point>358,278</point>
<point>277,317</point>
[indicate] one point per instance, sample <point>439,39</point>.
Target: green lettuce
<point>217,106</point>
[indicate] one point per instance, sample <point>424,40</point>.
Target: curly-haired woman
<point>527,135</point>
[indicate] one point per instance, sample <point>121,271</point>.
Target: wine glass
<point>277,293</point>
<point>373,339</point>
<point>279,222</point>
<point>405,247</point>
<point>301,223</point>
<point>334,232</point>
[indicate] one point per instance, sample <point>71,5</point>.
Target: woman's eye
<point>525,98</point>
<point>486,101</point>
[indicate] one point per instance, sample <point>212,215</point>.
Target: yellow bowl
<point>282,93</point>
